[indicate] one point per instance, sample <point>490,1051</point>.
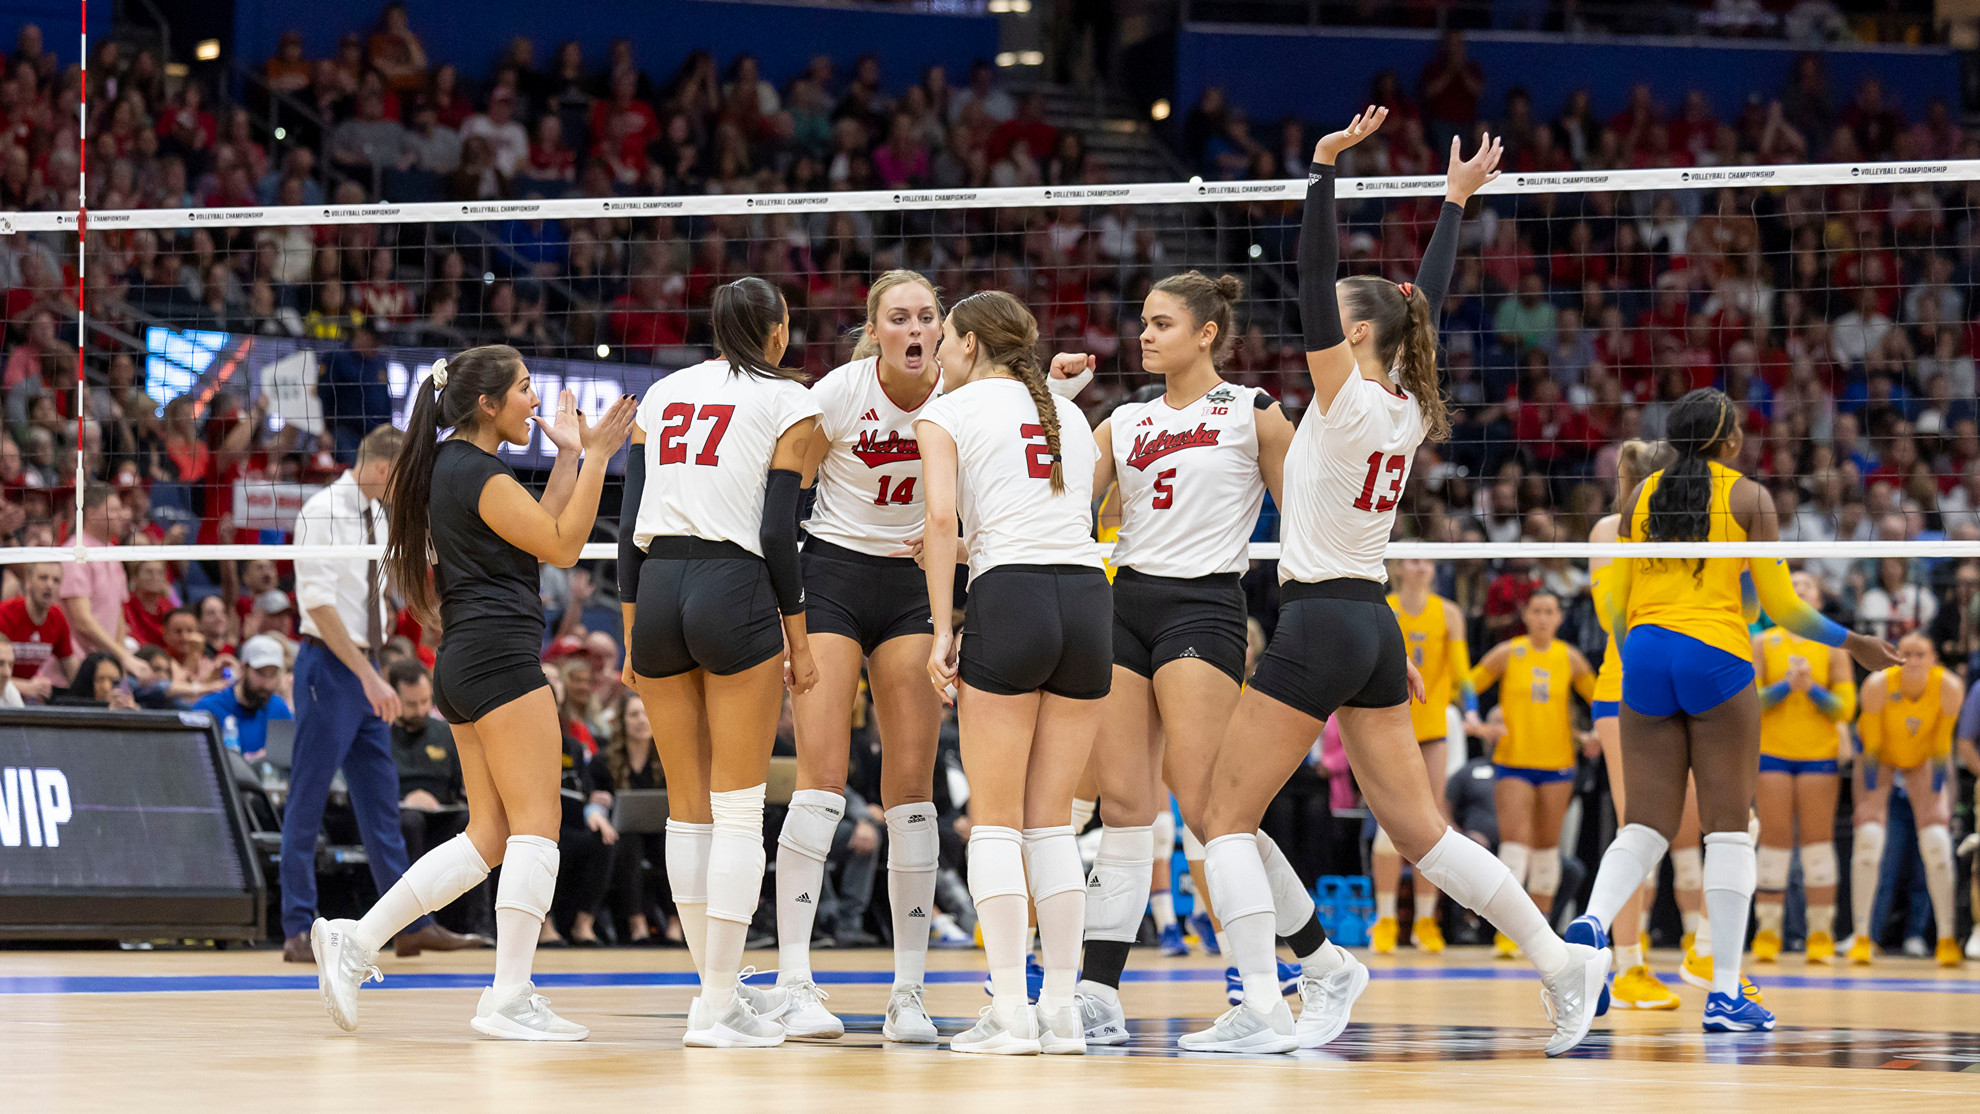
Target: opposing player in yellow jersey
<point>1909,713</point>
<point>1433,633</point>
<point>1534,759</point>
<point>1636,986</point>
<point>1689,704</point>
<point>1806,688</point>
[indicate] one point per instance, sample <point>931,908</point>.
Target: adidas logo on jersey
<point>804,899</point>
<point>876,452</point>
<point>870,416</point>
<point>916,912</point>
<point>1144,422</point>
<point>1150,448</point>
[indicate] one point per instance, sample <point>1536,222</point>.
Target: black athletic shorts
<point>481,667</point>
<point>703,605</point>
<point>1337,644</point>
<point>865,598</point>
<point>1033,627</point>
<point>1158,619</point>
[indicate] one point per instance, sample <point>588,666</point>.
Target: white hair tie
<point>440,374</point>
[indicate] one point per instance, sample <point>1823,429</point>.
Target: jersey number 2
<point>681,415</point>
<point>1377,466</point>
<point>1037,454</point>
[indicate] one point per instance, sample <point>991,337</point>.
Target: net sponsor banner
<point>1015,197</point>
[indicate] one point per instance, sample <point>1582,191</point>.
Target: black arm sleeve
<point>630,555</point>
<point>807,503</point>
<point>1319,260</point>
<point>1433,277</point>
<point>779,537</point>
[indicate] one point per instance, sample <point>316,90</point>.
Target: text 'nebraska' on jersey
<point>1190,484</point>
<point>868,488</point>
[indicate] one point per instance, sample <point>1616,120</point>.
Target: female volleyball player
<point>1534,759</point>
<point>459,518</point>
<point>865,604</point>
<point>1689,706</point>
<point>1338,647</point>
<point>708,561</point>
<point>1433,630</point>
<point>1034,662</point>
<point>1806,689</point>
<point>1637,987</point>
<point>1909,713</point>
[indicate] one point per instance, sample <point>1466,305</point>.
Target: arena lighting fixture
<point>604,350</point>
<point>1020,7</point>
<point>487,278</point>
<point>281,133</point>
<point>207,50</point>
<point>1255,251</point>
<point>1031,58</point>
<point>998,7</point>
<point>1159,110</point>
<point>1007,58</point>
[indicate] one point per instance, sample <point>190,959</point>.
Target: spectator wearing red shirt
<point>1027,127</point>
<point>622,125</point>
<point>149,603</point>
<point>1450,86</point>
<point>44,654</point>
<point>644,319</point>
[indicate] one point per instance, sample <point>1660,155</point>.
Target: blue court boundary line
<point>188,984</point>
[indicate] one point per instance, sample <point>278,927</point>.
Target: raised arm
<point>1329,360</point>
<point>563,433</point>
<point>1466,177</point>
<point>507,508</point>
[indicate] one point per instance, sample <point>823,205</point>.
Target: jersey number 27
<point>673,436</point>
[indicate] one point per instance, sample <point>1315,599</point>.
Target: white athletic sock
<point>1242,893</point>
<point>687,874</point>
<point>1730,876</point>
<point>1630,955</point>
<point>1768,916</point>
<point>1631,856</point>
<point>1822,919</point>
<point>802,848</point>
<point>1385,907</point>
<point>1057,882</point>
<point>1864,861</point>
<point>735,882</point>
<point>914,851</point>
<point>1162,905</point>
<point>1426,901</point>
<point>1935,847</point>
<point>1477,880</point>
<point>1702,943</point>
<point>1326,959</point>
<point>1692,919</point>
<point>522,897</point>
<point>997,885</point>
<point>428,886</point>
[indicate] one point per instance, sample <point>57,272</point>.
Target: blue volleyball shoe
<point>1172,943</point>
<point>1726,1013</point>
<point>1587,930</point>
<point>1289,974</point>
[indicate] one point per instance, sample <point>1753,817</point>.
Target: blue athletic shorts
<point>1665,673</point>
<point>1605,709</point>
<point>1534,776</point>
<point>1797,766</point>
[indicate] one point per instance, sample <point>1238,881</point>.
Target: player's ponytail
<point>1007,334</point>
<point>742,316</point>
<point>1699,425</point>
<point>449,399</point>
<point>1635,460</point>
<point>869,344</point>
<point>1405,342</point>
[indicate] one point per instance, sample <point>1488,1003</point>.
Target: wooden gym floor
<point>163,1032</point>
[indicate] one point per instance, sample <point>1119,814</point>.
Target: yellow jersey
<point>1708,603</point>
<point>1534,696</point>
<point>1910,731</point>
<point>1440,654</point>
<point>1797,728</point>
<point>1608,679</point>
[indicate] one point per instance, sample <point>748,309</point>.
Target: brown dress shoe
<point>296,949</point>
<point>431,938</point>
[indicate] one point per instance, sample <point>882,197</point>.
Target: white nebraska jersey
<point>709,439</point>
<point>869,484</point>
<point>1189,481</point>
<point>1009,514</point>
<point>1345,472</point>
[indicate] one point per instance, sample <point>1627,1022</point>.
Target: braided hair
<point>1700,425</point>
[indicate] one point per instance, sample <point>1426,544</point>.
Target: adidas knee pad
<point>811,822</point>
<point>1051,862</point>
<point>996,863</point>
<point>445,873</point>
<point>913,844</point>
<point>1688,868</point>
<point>1730,864</point>
<point>1383,844</point>
<point>1518,859</point>
<point>1117,893</point>
<point>1164,830</point>
<point>1239,886</point>
<point>1082,813</point>
<point>1292,905</point>
<point>1772,868</point>
<point>1543,871</point>
<point>735,854</point>
<point>1819,866</point>
<point>1192,846</point>
<point>687,861</point>
<point>1464,870</point>
<point>529,875</point>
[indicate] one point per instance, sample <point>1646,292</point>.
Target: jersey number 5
<point>673,436</point>
<point>1377,466</point>
<point>1037,454</point>
<point>1165,496</point>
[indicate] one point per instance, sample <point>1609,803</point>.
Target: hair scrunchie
<point>440,374</point>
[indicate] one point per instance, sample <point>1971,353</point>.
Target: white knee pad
<point>735,854</point>
<point>996,863</point>
<point>1688,868</point>
<point>529,875</point>
<point>1383,844</point>
<point>445,873</point>
<point>1051,862</point>
<point>1117,893</point>
<point>1543,871</point>
<point>913,844</point>
<point>1239,886</point>
<point>1518,859</point>
<point>811,822</point>
<point>1164,829</point>
<point>1082,813</point>
<point>1192,846</point>
<point>1292,906</point>
<point>1464,870</point>
<point>1819,866</point>
<point>687,861</point>
<point>1868,853</point>
<point>1935,847</point>
<point>1730,864</point>
<point>1772,868</point>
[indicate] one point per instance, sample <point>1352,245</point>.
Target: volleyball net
<point>231,359</point>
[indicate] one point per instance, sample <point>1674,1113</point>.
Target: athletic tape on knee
<point>1292,905</point>
<point>1518,858</point>
<point>529,875</point>
<point>1192,846</point>
<point>1730,864</point>
<point>810,823</point>
<point>1819,866</point>
<point>1543,871</point>
<point>1164,830</point>
<point>1383,844</point>
<point>445,873</point>
<point>1772,868</point>
<point>1239,885</point>
<point>1051,862</point>
<point>1464,870</point>
<point>735,854</point>
<point>996,863</point>
<point>913,844</point>
<point>1688,868</point>
<point>1082,813</point>
<point>1117,892</point>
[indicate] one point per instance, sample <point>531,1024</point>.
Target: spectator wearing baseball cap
<point>255,698</point>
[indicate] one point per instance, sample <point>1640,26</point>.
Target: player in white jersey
<point>1017,463</point>
<point>866,603</point>
<point>1339,650</point>
<point>708,560</point>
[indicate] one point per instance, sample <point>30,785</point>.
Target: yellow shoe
<point>1503,947</point>
<point>1821,948</point>
<point>1427,936</point>
<point>1859,950</point>
<point>1382,937</point>
<point>1639,988</point>
<point>1766,946</point>
<point>1949,953</point>
<point>1690,938</point>
<point>1697,970</point>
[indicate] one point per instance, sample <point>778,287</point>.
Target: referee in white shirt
<point>344,709</point>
